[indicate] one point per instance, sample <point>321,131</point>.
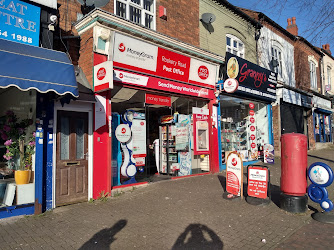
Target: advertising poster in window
<point>201,129</point>
<point>138,129</point>
<point>268,153</point>
<point>182,137</point>
<point>252,131</point>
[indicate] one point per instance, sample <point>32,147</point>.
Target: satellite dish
<point>208,18</point>
<point>96,3</point>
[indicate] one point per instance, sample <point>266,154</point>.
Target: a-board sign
<point>257,185</point>
<point>234,174</point>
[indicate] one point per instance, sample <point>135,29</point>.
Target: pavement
<point>185,213</point>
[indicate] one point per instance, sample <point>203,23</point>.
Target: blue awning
<point>29,67</point>
<point>325,111</point>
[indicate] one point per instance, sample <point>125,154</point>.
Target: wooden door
<point>71,157</point>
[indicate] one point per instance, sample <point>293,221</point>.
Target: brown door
<point>71,162</point>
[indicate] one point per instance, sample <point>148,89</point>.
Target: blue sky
<point>305,17</point>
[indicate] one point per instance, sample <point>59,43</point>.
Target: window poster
<point>185,163</point>
<point>138,138</point>
<point>182,137</point>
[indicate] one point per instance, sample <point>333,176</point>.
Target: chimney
<point>326,48</point>
<point>292,27</point>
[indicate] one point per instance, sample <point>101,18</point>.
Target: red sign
<point>173,65</point>
<point>253,145</point>
<point>257,182</point>
<point>251,112</point>
<point>252,120</point>
<point>232,185</point>
<point>164,85</point>
<point>101,73</point>
<point>252,137</point>
<point>203,72</point>
<point>252,128</point>
<point>158,100</point>
<point>251,106</point>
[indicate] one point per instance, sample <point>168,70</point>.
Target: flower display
<point>18,143</point>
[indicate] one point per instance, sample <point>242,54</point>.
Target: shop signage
<point>231,85</point>
<point>252,137</point>
<point>268,153</point>
<point>138,129</point>
<point>158,100</point>
<point>49,3</point>
<point>19,22</point>
<point>251,112</point>
<point>251,105</point>
<point>140,56</point>
<point>319,102</point>
<point>123,133</point>
<point>253,80</point>
<point>182,137</point>
<point>166,119</point>
<point>163,85</point>
<point>293,97</point>
<point>252,119</point>
<point>185,163</point>
<point>100,111</point>
<point>201,129</point>
<point>257,182</point>
<point>103,76</point>
<point>234,174</point>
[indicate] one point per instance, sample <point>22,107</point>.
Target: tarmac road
<point>186,213</point>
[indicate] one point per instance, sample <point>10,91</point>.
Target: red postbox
<point>294,164</point>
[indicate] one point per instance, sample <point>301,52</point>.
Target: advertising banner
<point>185,163</point>
<point>140,56</point>
<point>138,129</point>
<point>160,84</point>
<point>20,22</point>
<point>257,182</point>
<point>182,137</point>
<point>234,174</point>
<point>253,80</point>
<point>268,153</point>
<point>158,100</point>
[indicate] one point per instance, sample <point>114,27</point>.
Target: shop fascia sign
<point>103,76</point>
<point>136,55</point>
<point>19,22</point>
<point>253,80</point>
<point>296,98</point>
<point>48,3</point>
<point>319,102</point>
<point>160,84</point>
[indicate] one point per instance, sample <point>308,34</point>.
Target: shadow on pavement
<point>198,236</point>
<point>104,238</point>
<point>321,158</point>
<point>222,180</point>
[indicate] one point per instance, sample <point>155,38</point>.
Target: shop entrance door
<point>71,157</point>
<point>292,119</point>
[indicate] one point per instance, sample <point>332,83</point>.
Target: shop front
<point>295,112</point>
<point>31,79</point>
<point>245,111</point>
<point>322,113</point>
<point>154,111</point>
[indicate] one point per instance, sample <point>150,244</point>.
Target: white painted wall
<point>266,41</point>
<point>328,62</point>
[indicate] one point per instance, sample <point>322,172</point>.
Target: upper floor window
<point>313,75</point>
<point>276,60</point>
<point>329,69</point>
<point>138,11</point>
<point>235,46</point>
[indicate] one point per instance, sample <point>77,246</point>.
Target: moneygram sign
<point>143,57</point>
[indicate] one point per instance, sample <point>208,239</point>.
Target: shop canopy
<point>29,67</point>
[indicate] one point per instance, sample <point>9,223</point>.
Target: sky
<point>306,17</point>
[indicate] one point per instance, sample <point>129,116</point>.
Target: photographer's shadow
<point>198,236</point>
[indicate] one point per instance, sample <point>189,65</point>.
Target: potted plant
<point>19,146</point>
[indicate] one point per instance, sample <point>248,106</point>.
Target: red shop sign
<point>253,145</point>
<point>158,100</point>
<point>252,128</point>
<point>252,137</point>
<point>251,112</point>
<point>251,105</point>
<point>257,185</point>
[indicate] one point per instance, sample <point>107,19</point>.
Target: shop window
<point>138,11</point>
<point>329,78</point>
<point>244,127</point>
<point>235,46</point>
<point>165,142</point>
<point>17,126</point>
<point>313,75</point>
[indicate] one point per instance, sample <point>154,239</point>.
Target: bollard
<point>293,196</point>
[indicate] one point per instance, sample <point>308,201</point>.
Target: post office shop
<point>154,104</point>
<point>245,111</point>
